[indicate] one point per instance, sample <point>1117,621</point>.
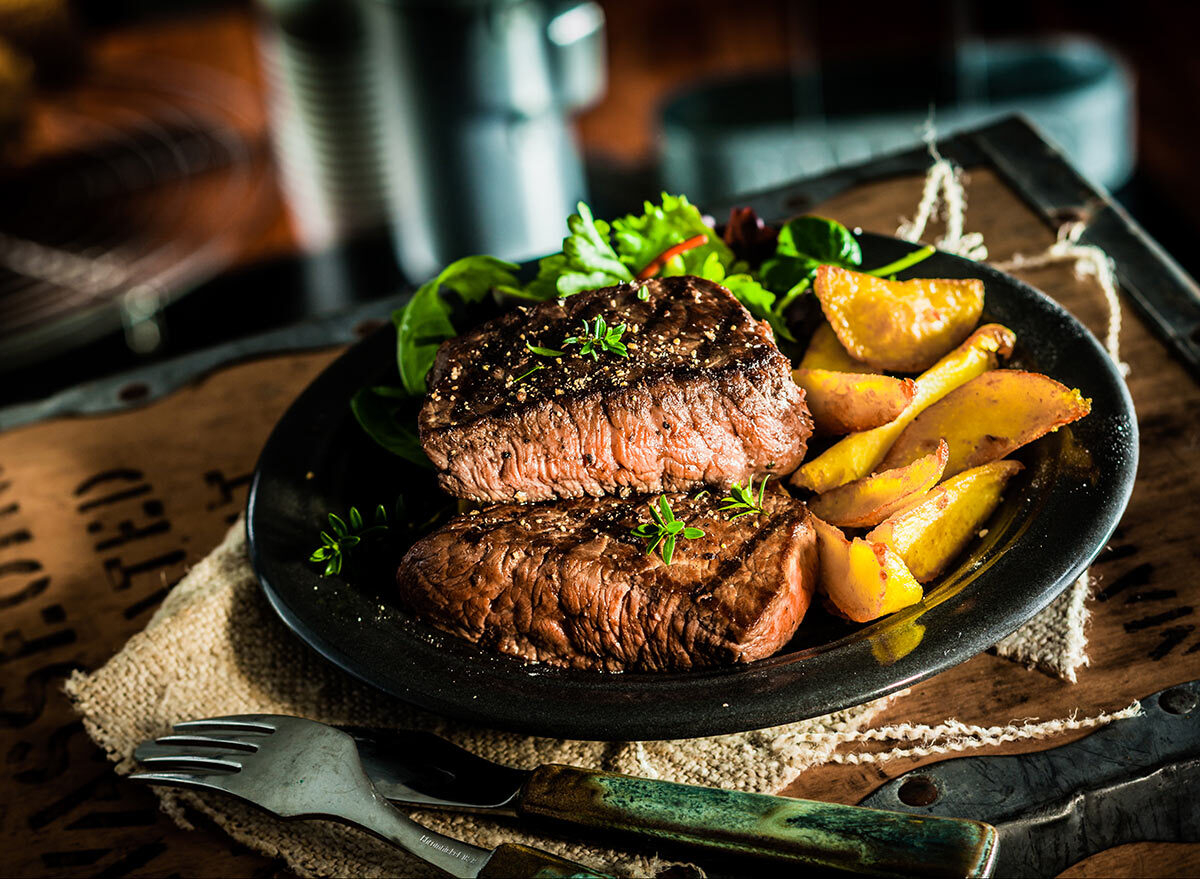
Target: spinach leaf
<point>424,323</point>
<point>805,243</point>
<point>388,415</point>
<point>819,240</point>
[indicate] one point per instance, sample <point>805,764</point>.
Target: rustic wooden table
<point>100,516</point>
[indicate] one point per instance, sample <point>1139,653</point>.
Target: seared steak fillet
<point>704,396</point>
<point>567,583</point>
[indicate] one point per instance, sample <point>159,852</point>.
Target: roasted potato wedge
<point>870,500</point>
<point>933,531</point>
<point>988,417</point>
<point>824,351</point>
<point>846,402</point>
<point>860,453</point>
<point>863,580</point>
<point>903,326</point>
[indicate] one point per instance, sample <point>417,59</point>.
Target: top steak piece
<point>567,583</point>
<point>704,396</point>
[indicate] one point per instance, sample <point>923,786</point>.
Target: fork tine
<point>216,762</point>
<point>197,780</point>
<point>262,723</point>
<point>247,742</point>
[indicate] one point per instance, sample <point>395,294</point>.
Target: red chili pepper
<point>669,254</point>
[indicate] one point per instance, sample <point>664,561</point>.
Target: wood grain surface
<point>99,516</point>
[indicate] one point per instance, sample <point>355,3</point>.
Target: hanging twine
<point>944,191</point>
<point>1090,262</point>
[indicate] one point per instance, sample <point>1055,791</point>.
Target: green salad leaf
<point>388,415</point>
<point>587,261</point>
<point>759,301</point>
<point>805,243</point>
<point>424,323</point>
<point>641,239</point>
<point>819,239</point>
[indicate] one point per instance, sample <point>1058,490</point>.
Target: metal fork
<point>296,768</point>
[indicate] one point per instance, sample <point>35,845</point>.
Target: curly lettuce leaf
<point>640,239</point>
<point>587,261</point>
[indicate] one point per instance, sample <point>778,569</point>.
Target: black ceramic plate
<point>1057,515</point>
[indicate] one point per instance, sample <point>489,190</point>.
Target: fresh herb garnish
<point>741,498</point>
<point>526,375</point>
<point>335,547</point>
<point>544,352</point>
<point>664,530</point>
<point>599,336</point>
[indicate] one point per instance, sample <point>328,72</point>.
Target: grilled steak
<point>704,396</point>
<point>567,583</point>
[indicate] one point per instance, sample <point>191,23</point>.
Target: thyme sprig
<point>741,498</point>
<point>664,530</point>
<point>599,337</point>
<point>336,546</point>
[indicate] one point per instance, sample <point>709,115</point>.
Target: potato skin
<point>900,326</point>
<point>870,500</point>
<point>847,402</point>
<point>931,532</point>
<point>858,454</point>
<point>824,351</point>
<point>987,418</point>
<point>863,580</point>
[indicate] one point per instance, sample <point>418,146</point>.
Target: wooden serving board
<point>99,516</point>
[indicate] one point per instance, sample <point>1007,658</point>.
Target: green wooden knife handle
<point>511,861</point>
<point>781,829</point>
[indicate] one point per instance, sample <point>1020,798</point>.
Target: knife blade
<point>1131,781</point>
<point>420,769</point>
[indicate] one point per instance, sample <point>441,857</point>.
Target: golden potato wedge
<point>824,351</point>
<point>858,454</point>
<point>870,500</point>
<point>845,402</point>
<point>933,531</point>
<point>904,326</point>
<point>988,417</point>
<point>863,580</point>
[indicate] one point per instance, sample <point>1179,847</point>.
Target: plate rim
<point>766,711</point>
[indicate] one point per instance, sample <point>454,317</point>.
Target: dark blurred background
<point>174,176</point>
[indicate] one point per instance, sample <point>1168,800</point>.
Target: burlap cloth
<point>215,647</point>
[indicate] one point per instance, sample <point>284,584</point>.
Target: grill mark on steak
<point>705,396</point>
<point>567,583</point>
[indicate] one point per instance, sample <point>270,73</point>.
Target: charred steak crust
<point>566,583</point>
<point>705,396</point>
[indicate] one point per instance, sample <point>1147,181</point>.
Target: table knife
<point>420,769</point>
<point>1134,780</point>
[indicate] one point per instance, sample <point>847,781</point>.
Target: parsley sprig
<point>741,498</point>
<point>664,530</point>
<point>599,336</point>
<point>335,547</point>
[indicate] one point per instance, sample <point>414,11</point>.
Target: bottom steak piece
<point>568,583</point>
